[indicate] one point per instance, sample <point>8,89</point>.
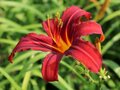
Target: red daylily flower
<point>64,38</point>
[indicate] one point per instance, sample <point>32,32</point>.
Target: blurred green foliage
<point>20,17</point>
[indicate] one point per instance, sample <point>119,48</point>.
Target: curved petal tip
<point>102,38</point>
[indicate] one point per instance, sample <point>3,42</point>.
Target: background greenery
<point>20,17</point>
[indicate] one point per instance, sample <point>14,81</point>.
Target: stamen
<point>58,20</point>
<point>57,16</point>
<point>61,46</point>
<point>60,23</point>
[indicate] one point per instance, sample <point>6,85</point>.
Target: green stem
<point>91,79</point>
<point>26,80</point>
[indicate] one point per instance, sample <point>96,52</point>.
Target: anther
<point>60,23</point>
<point>57,16</point>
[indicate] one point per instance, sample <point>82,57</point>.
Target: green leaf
<point>111,16</point>
<point>22,5</point>
<point>110,43</point>
<point>112,28</point>
<point>10,79</point>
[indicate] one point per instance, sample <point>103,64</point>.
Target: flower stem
<point>91,79</point>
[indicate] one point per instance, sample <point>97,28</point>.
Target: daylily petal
<point>72,13</point>
<point>34,42</point>
<point>51,27</point>
<point>71,16</point>
<point>87,54</point>
<point>50,67</point>
<point>86,28</point>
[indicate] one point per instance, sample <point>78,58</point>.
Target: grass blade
<point>11,80</point>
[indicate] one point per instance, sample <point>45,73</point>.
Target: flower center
<point>62,46</point>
